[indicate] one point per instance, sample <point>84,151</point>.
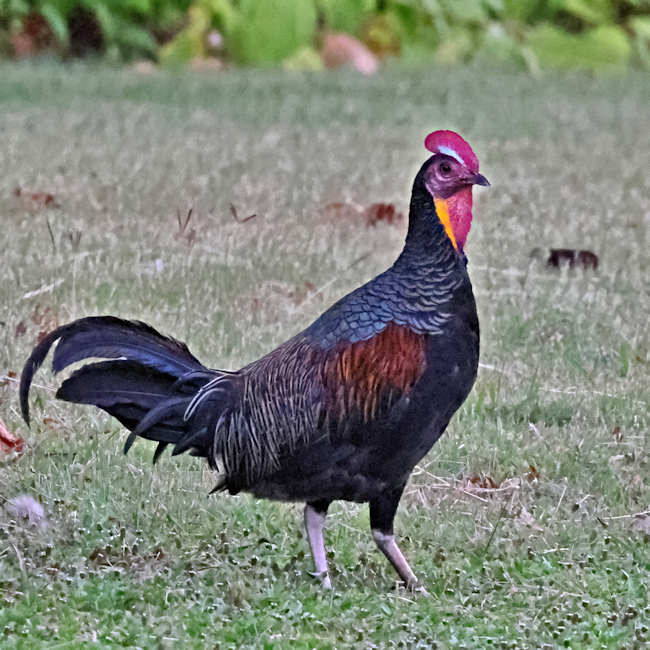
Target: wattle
<point>459,207</point>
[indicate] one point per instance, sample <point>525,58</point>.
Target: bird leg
<point>315,514</point>
<point>388,546</point>
<point>382,514</point>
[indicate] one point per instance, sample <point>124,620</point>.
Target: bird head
<point>449,176</point>
<point>453,166</point>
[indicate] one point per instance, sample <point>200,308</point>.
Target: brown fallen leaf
<point>343,210</point>
<point>587,260</point>
<point>35,200</point>
<point>534,474</point>
<point>54,423</point>
<point>382,212</point>
<point>370,215</point>
<point>9,378</point>
<point>560,257</point>
<point>483,481</point>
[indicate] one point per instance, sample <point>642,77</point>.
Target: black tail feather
<point>110,338</point>
<point>153,385</point>
<point>159,450</point>
<point>196,439</point>
<point>110,383</point>
<point>171,410</point>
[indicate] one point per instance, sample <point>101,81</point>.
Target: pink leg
<point>388,546</point>
<point>382,513</point>
<point>314,520</point>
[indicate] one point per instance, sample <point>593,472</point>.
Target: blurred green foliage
<point>599,35</point>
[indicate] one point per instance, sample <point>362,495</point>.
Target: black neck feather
<point>427,243</point>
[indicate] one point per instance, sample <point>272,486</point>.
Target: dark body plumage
<point>343,410</point>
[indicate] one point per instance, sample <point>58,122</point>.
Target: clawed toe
<point>323,578</point>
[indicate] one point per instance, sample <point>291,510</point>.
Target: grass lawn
<point>523,521</point>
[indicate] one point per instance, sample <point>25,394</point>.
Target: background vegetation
<point>533,34</point>
<point>528,522</point>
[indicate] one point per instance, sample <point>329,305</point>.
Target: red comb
<point>451,144</point>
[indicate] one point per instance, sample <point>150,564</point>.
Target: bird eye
<point>445,167</point>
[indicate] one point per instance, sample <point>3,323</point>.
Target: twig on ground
<point>559,503</point>
<point>182,225</point>
<point>233,211</point>
<point>49,228</point>
<point>505,505</point>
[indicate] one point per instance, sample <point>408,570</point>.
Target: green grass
<point>141,556</point>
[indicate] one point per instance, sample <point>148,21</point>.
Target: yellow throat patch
<point>443,214</point>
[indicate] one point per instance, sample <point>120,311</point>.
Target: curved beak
<point>479,179</point>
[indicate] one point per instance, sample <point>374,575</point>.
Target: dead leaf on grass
<point>10,378</point>
<point>54,423</point>
<point>343,210</point>
<point>382,212</point>
<point>560,257</point>
<point>35,200</point>
<point>481,482</point>
<point>617,435</point>
<point>534,474</point>
<point>369,216</point>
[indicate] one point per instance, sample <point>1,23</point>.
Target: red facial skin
<point>459,206</point>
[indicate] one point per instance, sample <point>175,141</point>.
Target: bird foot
<point>413,587</point>
<point>324,579</point>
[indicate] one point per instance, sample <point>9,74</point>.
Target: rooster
<point>343,410</point>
